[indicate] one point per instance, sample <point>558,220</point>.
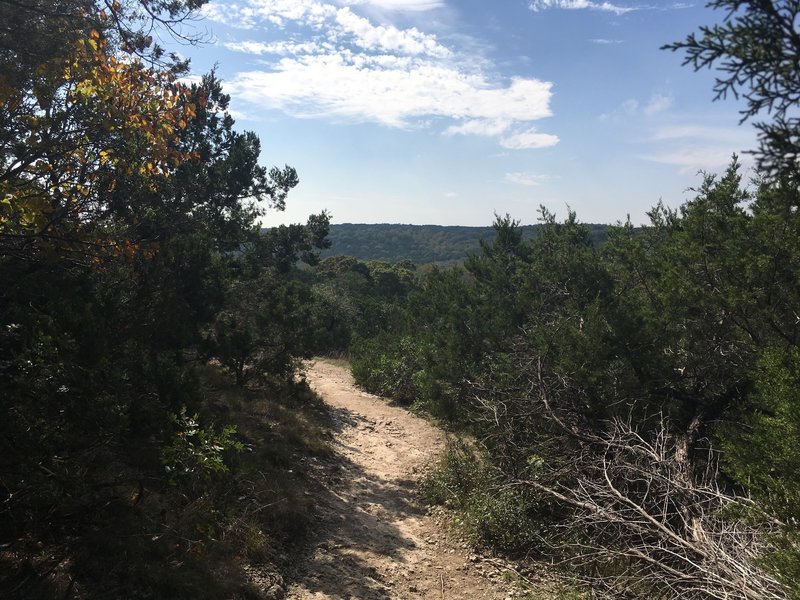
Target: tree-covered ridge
<point>420,244</point>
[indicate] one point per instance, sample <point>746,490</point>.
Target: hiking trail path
<point>374,538</point>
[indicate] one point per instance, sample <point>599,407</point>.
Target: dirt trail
<point>374,539</point>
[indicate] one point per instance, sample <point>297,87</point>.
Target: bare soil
<point>374,539</point>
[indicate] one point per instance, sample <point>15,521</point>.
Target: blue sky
<point>448,111</point>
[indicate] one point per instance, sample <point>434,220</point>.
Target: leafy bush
<point>197,453</point>
<point>506,519</point>
<point>389,366</point>
<point>458,475</point>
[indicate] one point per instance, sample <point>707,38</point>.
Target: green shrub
<point>502,518</point>
<point>458,475</point>
<point>197,453</point>
<point>389,366</point>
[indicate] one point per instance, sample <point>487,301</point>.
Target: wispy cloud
<point>527,140</point>
<point>540,5</point>
<point>282,48</point>
<point>632,107</point>
<point>310,13</point>
<point>690,159</point>
<point>191,79</point>
<point>526,179</point>
<point>691,147</point>
<point>487,127</point>
<point>658,103</point>
<point>605,42</point>
<point>405,5</point>
<point>602,6</point>
<point>343,66</point>
<point>733,135</point>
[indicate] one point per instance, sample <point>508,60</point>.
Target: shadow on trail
<point>357,512</point>
<point>340,419</point>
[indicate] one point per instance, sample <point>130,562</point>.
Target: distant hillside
<point>418,243</point>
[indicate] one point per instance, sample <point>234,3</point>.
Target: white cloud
<point>360,89</point>
<point>240,116</point>
<point>658,103</point>
<point>602,6</point>
<point>280,48</point>
<point>737,135</point>
<point>487,127</point>
<point>527,179</point>
<point>693,158</point>
<point>310,13</point>
<point>530,139</point>
<point>387,38</point>
<point>605,42</point>
<point>222,14</point>
<point>631,107</point>
<point>692,147</point>
<point>189,80</point>
<point>539,5</point>
<point>407,5</point>
<point>340,65</point>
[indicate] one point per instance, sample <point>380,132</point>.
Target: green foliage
<point>505,519</point>
<point>388,367</point>
<point>197,453</point>
<point>686,328</point>
<point>459,473</point>
<point>358,299</point>
<point>763,457</point>
<point>421,244</point>
<point>283,247</point>
<point>490,514</point>
<point>264,327</point>
<point>754,51</point>
<point>459,323</point>
<point>128,205</point>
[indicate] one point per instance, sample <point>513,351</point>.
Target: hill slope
<point>418,243</point>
